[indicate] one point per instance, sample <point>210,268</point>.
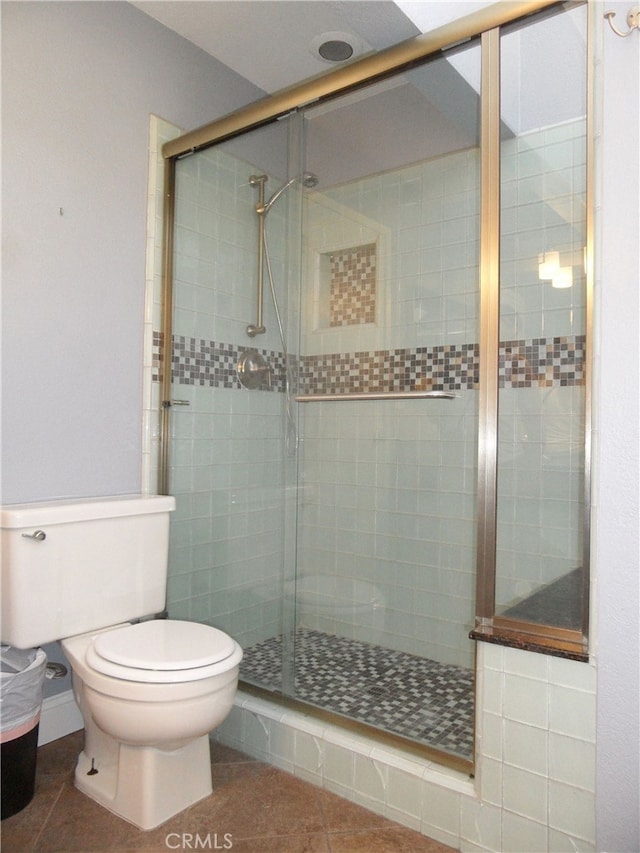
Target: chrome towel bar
<point>383,395</point>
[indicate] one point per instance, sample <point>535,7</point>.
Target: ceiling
<point>271,42</point>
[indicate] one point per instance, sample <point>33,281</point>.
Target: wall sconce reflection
<point>549,269</point>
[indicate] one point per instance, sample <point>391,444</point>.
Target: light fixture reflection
<point>548,265</point>
<point>563,278</point>
<point>549,269</point>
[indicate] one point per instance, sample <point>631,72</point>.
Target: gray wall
<point>616,515</point>
<point>79,81</point>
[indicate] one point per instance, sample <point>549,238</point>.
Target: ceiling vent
<point>337,47</point>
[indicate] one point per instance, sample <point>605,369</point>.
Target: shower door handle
<point>169,404</point>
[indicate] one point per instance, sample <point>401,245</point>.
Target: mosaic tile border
<point>196,361</point>
<point>539,363</point>
<point>543,362</point>
<point>408,695</point>
<point>442,368</point>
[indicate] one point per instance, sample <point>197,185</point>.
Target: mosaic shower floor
<point>415,697</point>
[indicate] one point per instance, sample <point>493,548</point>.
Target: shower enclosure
<point>345,374</point>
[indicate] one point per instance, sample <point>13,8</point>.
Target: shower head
<point>307,179</point>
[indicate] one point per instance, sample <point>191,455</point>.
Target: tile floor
<point>254,808</point>
<point>418,698</point>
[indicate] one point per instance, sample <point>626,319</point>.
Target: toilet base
<point>145,785</point>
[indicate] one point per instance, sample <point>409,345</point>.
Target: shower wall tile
<point>533,756</point>
<point>525,703</point>
<point>404,798</point>
<point>338,768</point>
<point>571,811</point>
<point>228,543</point>
<point>389,534</point>
<point>539,487</point>
<point>481,826</point>
<point>307,755</point>
<point>572,761</point>
<point>521,834</point>
<point>543,210</point>
<point>281,746</point>
<point>525,793</point>
<point>571,712</point>
<point>440,815</point>
<point>369,782</point>
<point>527,747</point>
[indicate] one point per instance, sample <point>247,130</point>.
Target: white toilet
<point>149,692</point>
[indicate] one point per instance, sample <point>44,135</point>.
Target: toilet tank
<point>73,566</point>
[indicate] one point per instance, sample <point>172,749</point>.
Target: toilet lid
<point>164,644</point>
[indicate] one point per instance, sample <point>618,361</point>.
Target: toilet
<point>92,573</point>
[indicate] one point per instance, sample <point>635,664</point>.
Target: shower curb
<point>373,775</point>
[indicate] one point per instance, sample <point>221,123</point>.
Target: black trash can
<point>21,681</point>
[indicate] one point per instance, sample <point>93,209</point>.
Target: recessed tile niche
<point>348,286</point>
<point>347,266</point>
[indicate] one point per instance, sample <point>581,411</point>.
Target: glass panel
<point>231,464</point>
<point>386,534</point>
<point>540,527</point>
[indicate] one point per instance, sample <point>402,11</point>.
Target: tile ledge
<point>427,771</point>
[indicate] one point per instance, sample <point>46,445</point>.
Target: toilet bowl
<point>149,694</point>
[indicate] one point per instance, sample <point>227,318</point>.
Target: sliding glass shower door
<point>390,319</point>
<point>231,468</point>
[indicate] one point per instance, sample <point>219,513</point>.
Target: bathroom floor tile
<point>343,816</point>
<point>19,831</point>
<point>78,824</point>
<point>316,843</point>
<point>263,802</point>
<point>59,757</point>
<point>254,807</point>
<point>388,840</point>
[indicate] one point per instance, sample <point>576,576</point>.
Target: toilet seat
<point>162,651</point>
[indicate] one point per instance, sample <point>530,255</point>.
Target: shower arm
<point>259,181</point>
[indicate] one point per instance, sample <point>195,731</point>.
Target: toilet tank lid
<point>82,509</point>
<point>164,644</point>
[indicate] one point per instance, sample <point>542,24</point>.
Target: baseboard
<point>60,716</point>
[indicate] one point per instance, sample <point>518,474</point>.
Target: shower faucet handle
<point>253,370</point>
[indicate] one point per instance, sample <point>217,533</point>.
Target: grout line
<point>47,817</point>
